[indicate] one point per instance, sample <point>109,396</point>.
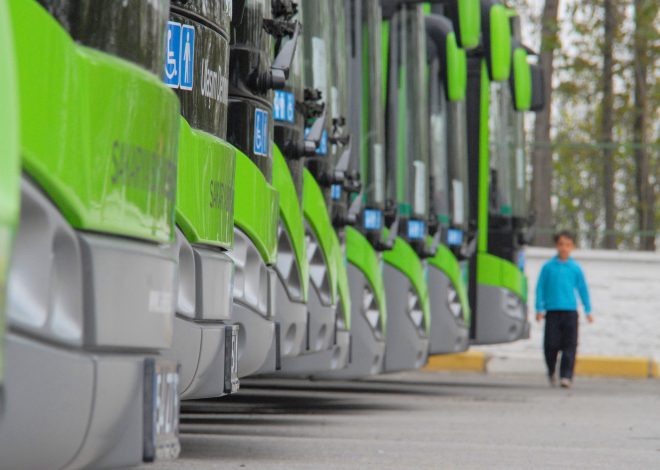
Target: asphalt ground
<point>423,420</point>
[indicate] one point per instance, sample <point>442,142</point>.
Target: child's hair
<point>564,233</point>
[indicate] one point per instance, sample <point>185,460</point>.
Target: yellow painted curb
<point>655,370</point>
<point>627,367</point>
<point>469,361</point>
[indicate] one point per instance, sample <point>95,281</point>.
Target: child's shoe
<point>565,383</point>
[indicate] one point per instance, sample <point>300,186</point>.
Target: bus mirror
<point>466,18</point>
<point>521,80</point>
<point>440,35</point>
<point>463,14</point>
<point>496,39</point>
<point>282,63</point>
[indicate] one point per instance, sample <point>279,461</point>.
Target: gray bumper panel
<point>448,333</point>
<point>321,327</point>
<point>501,316</point>
<point>367,352</point>
<point>292,318</point>
<point>335,358</point>
<point>99,398</point>
<point>122,281</point>
<point>257,342</point>
<point>205,356</point>
<point>405,349</point>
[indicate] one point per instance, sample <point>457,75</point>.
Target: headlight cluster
<point>287,266</point>
<point>340,322</point>
<point>513,305</point>
<point>318,268</point>
<point>415,310</point>
<point>371,311</point>
<point>251,278</point>
<point>454,302</point>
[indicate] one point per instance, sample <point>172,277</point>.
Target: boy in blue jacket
<point>555,295</point>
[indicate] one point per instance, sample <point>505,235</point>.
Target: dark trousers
<point>561,334</point>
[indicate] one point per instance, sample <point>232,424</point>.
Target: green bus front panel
<point>361,254</point>
<point>402,256</point>
<point>205,188</point>
<point>343,289</point>
<point>446,262</point>
<point>9,161</point>
<point>291,215</point>
<point>256,207</point>
<point>318,217</point>
<point>498,272</point>
<point>99,134</point>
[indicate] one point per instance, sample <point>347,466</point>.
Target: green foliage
<point>577,109</point>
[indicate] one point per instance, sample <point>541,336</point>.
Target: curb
<point>626,367</point>
<point>589,366</point>
<point>469,361</point>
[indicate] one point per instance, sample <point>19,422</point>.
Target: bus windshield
<point>412,140</point>
<point>458,164</point>
<point>449,160</point>
<point>373,127</point>
<point>339,90</point>
<point>519,163</point>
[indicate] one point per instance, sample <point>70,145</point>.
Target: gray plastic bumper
<point>328,349</point>
<point>292,318</point>
<point>501,316</point>
<point>407,347</point>
<point>254,308</point>
<point>367,347</point>
<point>449,333</point>
<point>208,354</point>
<point>205,344</point>
<point>109,420</point>
<point>71,294</point>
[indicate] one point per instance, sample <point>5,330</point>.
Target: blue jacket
<point>555,289</point>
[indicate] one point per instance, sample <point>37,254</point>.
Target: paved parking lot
<point>425,420</point>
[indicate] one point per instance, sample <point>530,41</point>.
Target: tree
<point>645,12</point>
<point>607,122</point>
<point>542,152</point>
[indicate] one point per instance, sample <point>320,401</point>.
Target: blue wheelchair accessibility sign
<point>260,144</point>
<point>173,53</point>
<point>180,58</point>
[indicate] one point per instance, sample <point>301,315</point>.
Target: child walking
<point>555,296</point>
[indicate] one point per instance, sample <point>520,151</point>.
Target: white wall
<point>625,298</point>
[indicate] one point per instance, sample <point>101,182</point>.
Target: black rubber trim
<point>199,19</point>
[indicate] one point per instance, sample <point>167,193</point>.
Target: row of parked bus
<point>196,191</point>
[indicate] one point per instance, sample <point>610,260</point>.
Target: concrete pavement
<point>426,420</point>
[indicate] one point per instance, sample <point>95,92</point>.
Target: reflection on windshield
<point>413,138</point>
<point>508,160</point>
<point>449,157</point>
<point>501,145</point>
<point>458,163</point>
<point>519,163</point>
